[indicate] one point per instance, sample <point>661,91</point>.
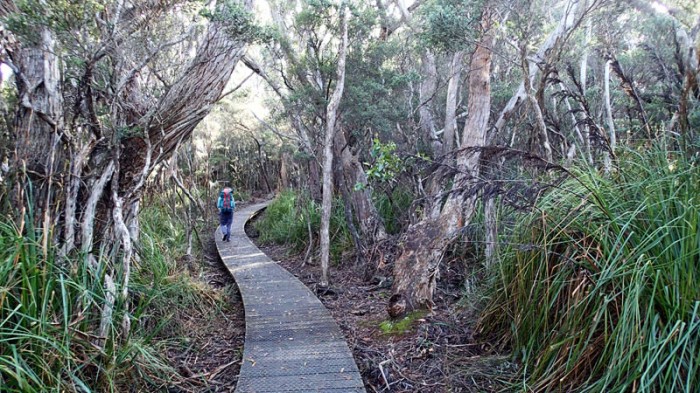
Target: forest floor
<point>210,359</point>
<point>426,352</point>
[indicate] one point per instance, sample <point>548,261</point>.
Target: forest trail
<point>292,343</point>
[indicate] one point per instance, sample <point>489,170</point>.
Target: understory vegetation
<point>613,260</point>
<point>50,310</point>
<point>514,182</point>
<point>294,219</point>
<point>613,264</point>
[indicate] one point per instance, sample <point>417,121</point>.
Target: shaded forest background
<point>547,150</point>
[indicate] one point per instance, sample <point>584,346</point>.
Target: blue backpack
<point>227,203</point>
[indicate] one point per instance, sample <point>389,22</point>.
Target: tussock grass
<point>286,221</point>
<point>50,311</point>
<point>599,291</point>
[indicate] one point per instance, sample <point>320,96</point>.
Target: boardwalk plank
<point>292,343</point>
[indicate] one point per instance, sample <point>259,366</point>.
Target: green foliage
<point>61,16</point>
<point>49,311</point>
<point>393,207</point>
<point>450,25</point>
<point>614,265</point>
<point>374,81</point>
<point>287,218</point>
<point>239,22</point>
<point>387,165</point>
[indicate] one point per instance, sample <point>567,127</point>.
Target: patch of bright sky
<point>659,7</point>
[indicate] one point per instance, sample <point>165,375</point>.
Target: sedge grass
<point>599,291</point>
<point>50,311</point>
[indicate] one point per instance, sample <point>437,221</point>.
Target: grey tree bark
<point>100,170</point>
<point>448,137</point>
<point>331,113</point>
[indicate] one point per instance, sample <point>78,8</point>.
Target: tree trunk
<point>331,112</point>
<point>612,141</point>
<point>40,150</point>
<point>371,224</point>
<point>428,89</point>
<point>583,76</point>
<point>418,265</point>
<point>448,137</point>
<point>491,229</point>
<point>541,126</point>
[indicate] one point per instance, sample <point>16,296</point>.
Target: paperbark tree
<point>331,113</point>
<point>424,243</point>
<point>86,160</point>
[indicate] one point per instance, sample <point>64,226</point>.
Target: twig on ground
<point>381,369</point>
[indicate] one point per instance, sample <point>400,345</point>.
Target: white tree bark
<point>331,112</point>
<point>612,138</point>
<point>491,226</point>
<point>448,137</point>
<point>584,79</point>
<point>568,22</point>
<point>428,87</point>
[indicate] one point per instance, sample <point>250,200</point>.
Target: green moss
<point>401,326</point>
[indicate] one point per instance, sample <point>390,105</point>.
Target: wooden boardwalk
<point>292,344</point>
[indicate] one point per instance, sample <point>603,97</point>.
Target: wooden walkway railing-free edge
<point>292,343</point>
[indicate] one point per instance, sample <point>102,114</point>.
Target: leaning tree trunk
<point>418,265</point>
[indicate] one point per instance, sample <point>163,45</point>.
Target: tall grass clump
<point>598,291</point>
<point>50,310</point>
<point>288,218</point>
<point>49,314</point>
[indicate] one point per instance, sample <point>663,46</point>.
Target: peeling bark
<point>612,141</point>
<point>421,249</point>
<point>448,136</point>
<point>428,88</point>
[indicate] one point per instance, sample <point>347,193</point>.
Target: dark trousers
<point>225,219</point>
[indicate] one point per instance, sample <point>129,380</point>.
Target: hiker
<point>226,206</point>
